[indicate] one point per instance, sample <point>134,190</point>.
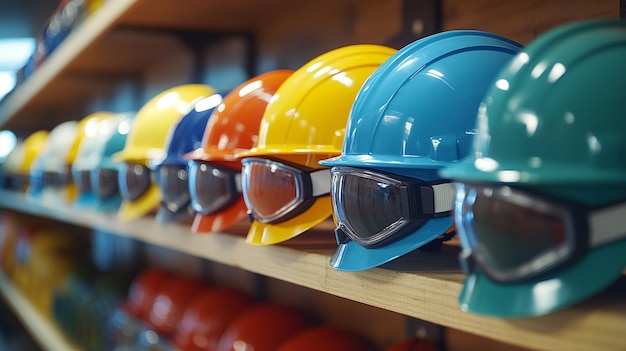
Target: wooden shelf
<point>43,331</point>
<point>420,285</point>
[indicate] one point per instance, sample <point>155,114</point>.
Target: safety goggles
<point>134,180</point>
<point>212,188</point>
<point>516,235</point>
<point>174,186</point>
<point>274,191</point>
<point>104,182</point>
<point>82,180</point>
<point>374,208</point>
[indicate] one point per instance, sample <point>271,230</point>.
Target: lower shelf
<point>421,285</point>
<point>42,330</point>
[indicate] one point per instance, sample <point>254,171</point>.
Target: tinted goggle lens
<point>512,235</point>
<point>104,182</point>
<point>40,180</point>
<point>373,208</point>
<point>269,188</point>
<point>134,180</point>
<point>174,186</point>
<point>212,188</point>
<point>82,180</point>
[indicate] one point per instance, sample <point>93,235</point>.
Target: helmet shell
<point>417,111</point>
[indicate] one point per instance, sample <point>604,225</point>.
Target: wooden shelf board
<point>421,285</point>
<point>43,331</point>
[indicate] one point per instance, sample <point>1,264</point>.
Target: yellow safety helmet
<point>145,145</point>
<point>303,124</point>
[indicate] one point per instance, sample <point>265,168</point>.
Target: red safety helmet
<point>170,304</point>
<point>263,328</point>
<point>327,338</point>
<point>143,290</point>
<point>232,128</point>
<point>208,316</point>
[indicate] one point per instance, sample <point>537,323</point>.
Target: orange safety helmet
<point>170,304</point>
<point>327,338</point>
<point>413,344</point>
<point>232,128</point>
<point>143,290</point>
<point>263,328</point>
<point>208,316</point>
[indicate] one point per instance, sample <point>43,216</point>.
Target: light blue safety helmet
<point>414,115</point>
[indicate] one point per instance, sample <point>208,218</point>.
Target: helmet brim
<point>593,273</point>
<point>352,257</point>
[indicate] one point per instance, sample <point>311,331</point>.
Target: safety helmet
<point>172,173</point>
<point>33,145</point>
<point>94,131</point>
<point>50,172</point>
<point>327,338</point>
<point>303,123</point>
<point>208,316</point>
<point>233,127</point>
<point>263,327</point>
<point>143,291</point>
<point>549,147</point>
<point>413,344</point>
<point>104,172</point>
<point>145,144</point>
<point>170,304</point>
<point>415,114</point>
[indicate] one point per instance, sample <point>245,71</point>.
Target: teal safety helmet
<point>552,125</point>
<point>413,116</point>
<point>104,172</point>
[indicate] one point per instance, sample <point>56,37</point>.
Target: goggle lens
<point>134,180</point>
<point>174,185</point>
<point>513,235</point>
<point>212,188</point>
<point>104,182</point>
<point>269,189</point>
<point>369,209</point>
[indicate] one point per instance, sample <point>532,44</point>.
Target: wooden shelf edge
<point>85,35</point>
<point>424,290</point>
<point>42,330</point>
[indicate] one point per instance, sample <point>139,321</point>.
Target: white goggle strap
<point>607,225</point>
<point>444,195</point>
<point>320,181</point>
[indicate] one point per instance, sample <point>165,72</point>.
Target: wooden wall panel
<point>522,20</point>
